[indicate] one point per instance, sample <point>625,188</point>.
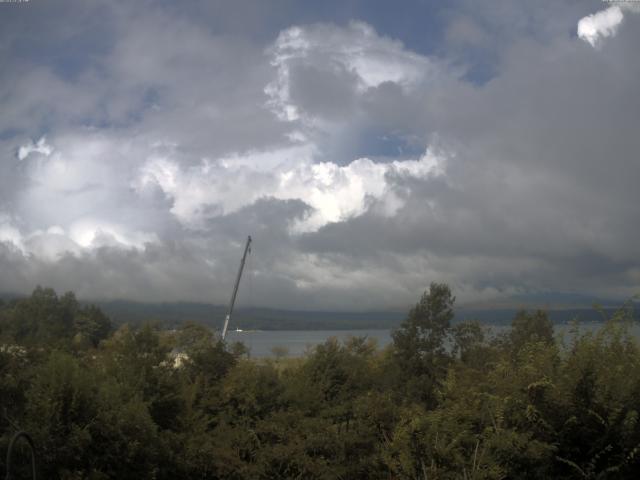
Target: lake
<point>299,342</point>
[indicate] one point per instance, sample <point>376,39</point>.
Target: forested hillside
<point>147,403</point>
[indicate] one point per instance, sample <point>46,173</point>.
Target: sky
<point>368,147</point>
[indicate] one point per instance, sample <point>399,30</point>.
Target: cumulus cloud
<point>9,233</point>
<point>355,57</point>
<point>335,193</point>
<point>39,147</point>
<point>593,28</point>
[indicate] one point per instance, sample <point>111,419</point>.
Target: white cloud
<point>89,233</point>
<point>9,233</point>
<point>600,25</point>
<point>82,236</point>
<point>40,147</point>
<point>356,50</point>
<point>336,193</point>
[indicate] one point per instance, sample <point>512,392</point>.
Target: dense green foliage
<point>443,401</point>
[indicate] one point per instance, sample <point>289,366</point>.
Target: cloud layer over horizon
<point>495,150</point>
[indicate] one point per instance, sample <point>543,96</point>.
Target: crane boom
<point>235,287</point>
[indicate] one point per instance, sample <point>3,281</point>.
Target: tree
<point>420,342</point>
<point>468,338</point>
<point>92,324</point>
<point>530,327</point>
<point>48,319</point>
<point>87,425</point>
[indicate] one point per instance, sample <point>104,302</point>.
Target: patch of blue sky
<point>375,144</point>
<point>385,145</point>
<point>9,133</point>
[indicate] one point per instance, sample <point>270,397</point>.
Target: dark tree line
<point>442,401</point>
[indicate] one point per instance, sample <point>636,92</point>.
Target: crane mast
<point>247,249</point>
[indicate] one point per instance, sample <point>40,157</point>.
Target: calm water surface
<point>298,342</point>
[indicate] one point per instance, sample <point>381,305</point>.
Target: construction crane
<point>247,249</point>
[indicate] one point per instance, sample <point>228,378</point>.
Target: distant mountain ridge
<point>173,314</point>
